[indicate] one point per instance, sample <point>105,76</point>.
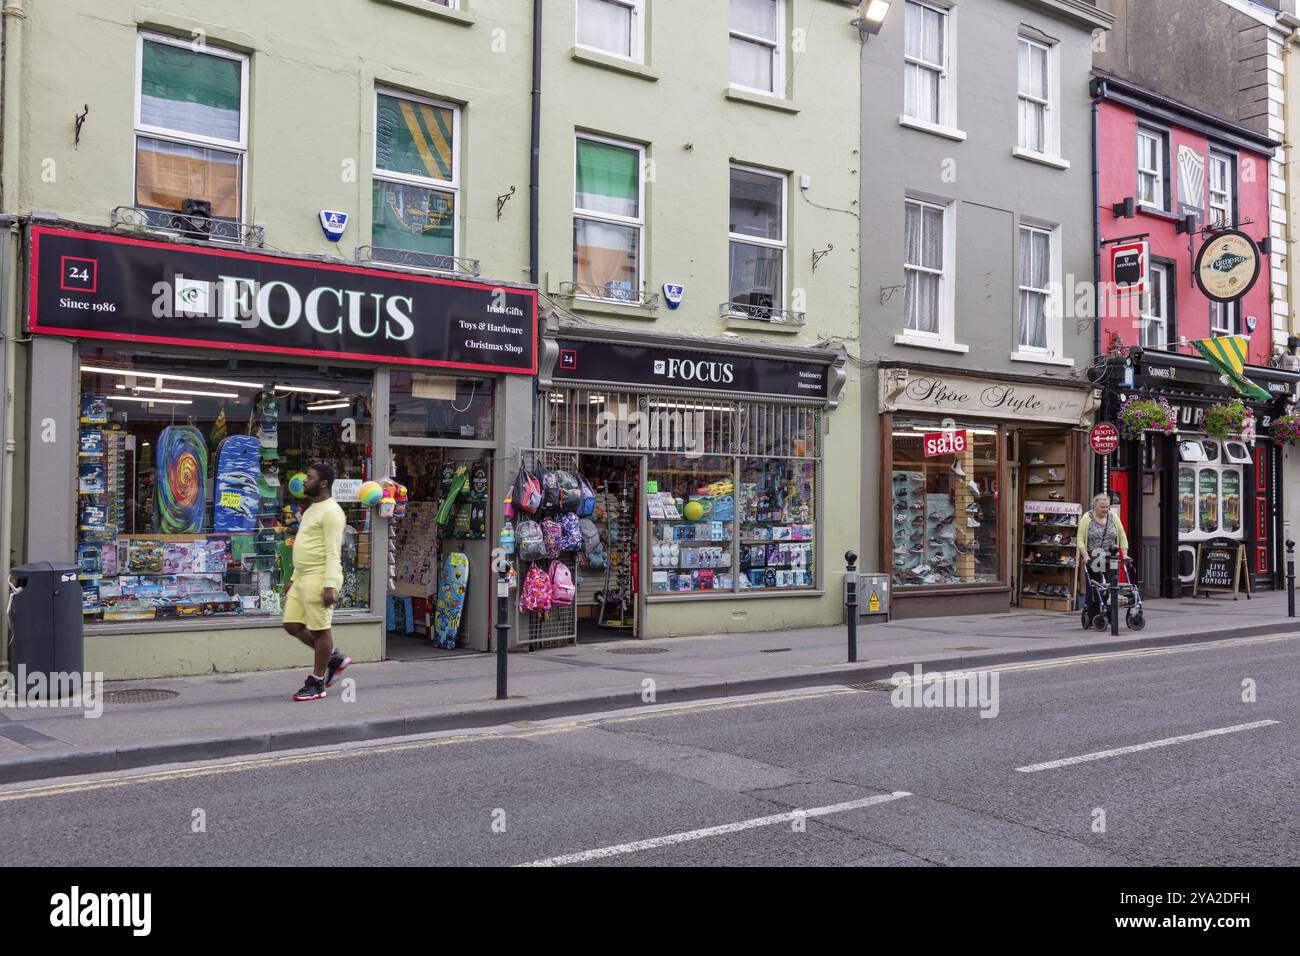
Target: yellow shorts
<point>304,605</point>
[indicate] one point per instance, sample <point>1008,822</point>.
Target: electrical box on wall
<point>873,597</point>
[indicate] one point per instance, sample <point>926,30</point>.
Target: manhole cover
<point>774,650</point>
<point>145,695</point>
<point>638,650</point>
<point>874,685</point>
<point>968,648</point>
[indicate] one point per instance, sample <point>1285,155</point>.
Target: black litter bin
<point>45,620</point>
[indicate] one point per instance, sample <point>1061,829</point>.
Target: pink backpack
<point>536,594</point>
<point>562,589</point>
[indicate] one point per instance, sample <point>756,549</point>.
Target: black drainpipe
<point>536,146</point>
<point>1098,88</point>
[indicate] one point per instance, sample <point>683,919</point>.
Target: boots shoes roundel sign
<point>1227,265</point>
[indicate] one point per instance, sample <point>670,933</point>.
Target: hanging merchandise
<point>552,537</point>
<point>562,589</point>
<point>587,504</point>
<point>454,486</point>
<point>570,532</point>
<point>535,596</point>
<point>527,491</point>
<point>452,585</point>
<point>370,493</point>
<point>506,539</point>
<point>531,542</point>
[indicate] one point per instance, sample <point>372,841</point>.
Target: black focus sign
<point>89,285</point>
<point>644,365</point>
<point>1221,566</point>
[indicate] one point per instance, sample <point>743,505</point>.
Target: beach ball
<point>371,493</point>
<point>694,511</point>
<point>298,485</point>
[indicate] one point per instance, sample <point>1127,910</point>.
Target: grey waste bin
<point>45,619</point>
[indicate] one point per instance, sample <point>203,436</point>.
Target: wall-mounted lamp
<point>872,19</point>
<point>1187,224</point>
<point>1125,210</point>
<point>1266,246</point>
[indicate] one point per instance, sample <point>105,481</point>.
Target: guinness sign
<point>1227,265</point>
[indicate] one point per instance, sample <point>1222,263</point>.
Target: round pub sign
<point>1227,265</point>
<point>1104,438</point>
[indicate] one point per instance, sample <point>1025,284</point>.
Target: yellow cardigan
<point>1086,521</point>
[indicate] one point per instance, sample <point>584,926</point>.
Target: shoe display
<point>945,520</point>
<point>957,469</point>
<point>917,522</point>
<point>1036,461</point>
<point>972,523</point>
<point>1036,480</point>
<point>974,489</point>
<point>918,506</point>
<point>1051,473</point>
<point>973,508</point>
<point>1055,496</point>
<point>900,518</point>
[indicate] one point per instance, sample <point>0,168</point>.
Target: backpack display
<point>552,537</point>
<point>596,558</point>
<point>535,594</point>
<point>562,589</point>
<point>550,490</point>
<point>590,535</point>
<point>527,493</point>
<point>570,533</point>
<point>570,492</point>
<point>587,506</point>
<point>529,541</point>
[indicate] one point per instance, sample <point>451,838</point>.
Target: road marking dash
<point>672,839</point>
<point>1135,748</point>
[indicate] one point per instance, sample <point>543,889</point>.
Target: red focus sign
<point>945,443</point>
<point>1104,438</point>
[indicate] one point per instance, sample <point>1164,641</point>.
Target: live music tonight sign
<point>89,285</point>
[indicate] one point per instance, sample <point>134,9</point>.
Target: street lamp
<point>872,19</point>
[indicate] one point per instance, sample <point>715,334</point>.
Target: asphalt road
<point>833,776</point>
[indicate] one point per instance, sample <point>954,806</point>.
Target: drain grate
<point>774,650</point>
<point>638,650</point>
<point>884,685</point>
<point>145,695</point>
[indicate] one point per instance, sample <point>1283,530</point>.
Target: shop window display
<point>692,511</point>
<point>777,522</point>
<point>944,498</point>
<point>189,488</point>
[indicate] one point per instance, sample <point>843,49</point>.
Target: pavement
<point>224,715</point>
<point>1150,757</point>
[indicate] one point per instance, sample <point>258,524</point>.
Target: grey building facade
<point>977,321</point>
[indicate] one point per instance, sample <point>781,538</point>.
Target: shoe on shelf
<point>917,506</point>
<point>974,489</point>
<point>972,523</point>
<point>1051,473</point>
<point>1056,496</point>
<point>945,519</point>
<point>915,476</point>
<point>973,508</point>
<point>900,518</point>
<point>1036,480</point>
<point>960,546</point>
<point>917,522</point>
<point>1036,461</point>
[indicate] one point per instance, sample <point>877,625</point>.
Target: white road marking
<point>675,838</point>
<point>1167,742</point>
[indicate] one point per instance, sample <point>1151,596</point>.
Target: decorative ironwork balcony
<point>188,226</point>
<point>426,261</point>
<point>617,295</point>
<point>760,313</point>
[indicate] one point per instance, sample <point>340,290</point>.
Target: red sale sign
<point>944,443</point>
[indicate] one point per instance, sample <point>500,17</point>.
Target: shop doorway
<point>608,586</point>
<point>440,540</point>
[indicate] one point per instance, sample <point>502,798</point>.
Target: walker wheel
<point>1101,622</point>
<point>1135,620</point>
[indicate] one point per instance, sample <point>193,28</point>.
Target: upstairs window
<point>1033,90</point>
<point>191,128</point>
<point>925,69</point>
<point>1151,168</point>
<point>1222,180</point>
<point>416,180</point>
<point>1157,312</point>
<point>1035,276</point>
<point>757,242</point>
<point>924,268</point>
<point>757,43</point>
<point>612,26</point>
<point>608,219</point>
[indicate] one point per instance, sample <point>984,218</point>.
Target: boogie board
<point>236,500</point>
<point>452,583</point>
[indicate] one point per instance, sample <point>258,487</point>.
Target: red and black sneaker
<point>338,664</point>
<point>313,689</point>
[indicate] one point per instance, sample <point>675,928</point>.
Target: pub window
<point>191,126</point>
<point>1151,153</point>
<point>416,188</point>
<point>1157,311</point>
<point>1222,190</point>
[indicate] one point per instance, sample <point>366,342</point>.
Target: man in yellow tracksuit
<point>317,576</point>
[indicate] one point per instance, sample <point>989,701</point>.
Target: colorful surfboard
<point>452,584</point>
<point>236,500</point>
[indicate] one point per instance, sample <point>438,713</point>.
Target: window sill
<point>759,99</point>
<point>460,17</point>
<point>607,61</point>
<point>1158,213</point>
<point>741,324</point>
<point>947,132</point>
<point>643,313</point>
<point>1027,154</point>
<point>1040,358</point>
<point>936,344</point>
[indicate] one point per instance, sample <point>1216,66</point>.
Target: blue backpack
<point>588,505</point>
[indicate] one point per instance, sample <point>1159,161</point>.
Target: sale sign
<point>945,443</point>
<point>1104,438</point>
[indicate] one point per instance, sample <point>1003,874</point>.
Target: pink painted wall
<point>1117,163</point>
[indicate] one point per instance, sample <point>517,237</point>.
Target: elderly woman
<point>1099,531</point>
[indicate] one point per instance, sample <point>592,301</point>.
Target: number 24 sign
<point>945,443</point>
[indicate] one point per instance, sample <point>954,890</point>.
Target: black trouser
<point>1096,577</point>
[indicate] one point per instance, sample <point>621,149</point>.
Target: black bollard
<point>851,603</point>
<point>1114,591</point>
<point>1290,578</point>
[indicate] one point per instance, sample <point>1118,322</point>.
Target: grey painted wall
<point>52,465</point>
<point>990,191</point>
<point>1201,52</point>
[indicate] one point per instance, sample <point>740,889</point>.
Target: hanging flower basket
<point>1286,429</point>
<point>1147,415</point>
<point>1227,420</point>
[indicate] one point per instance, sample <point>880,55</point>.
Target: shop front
<point>1179,493</point>
<point>177,392</point>
<point>982,482</point>
<point>709,466</point>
